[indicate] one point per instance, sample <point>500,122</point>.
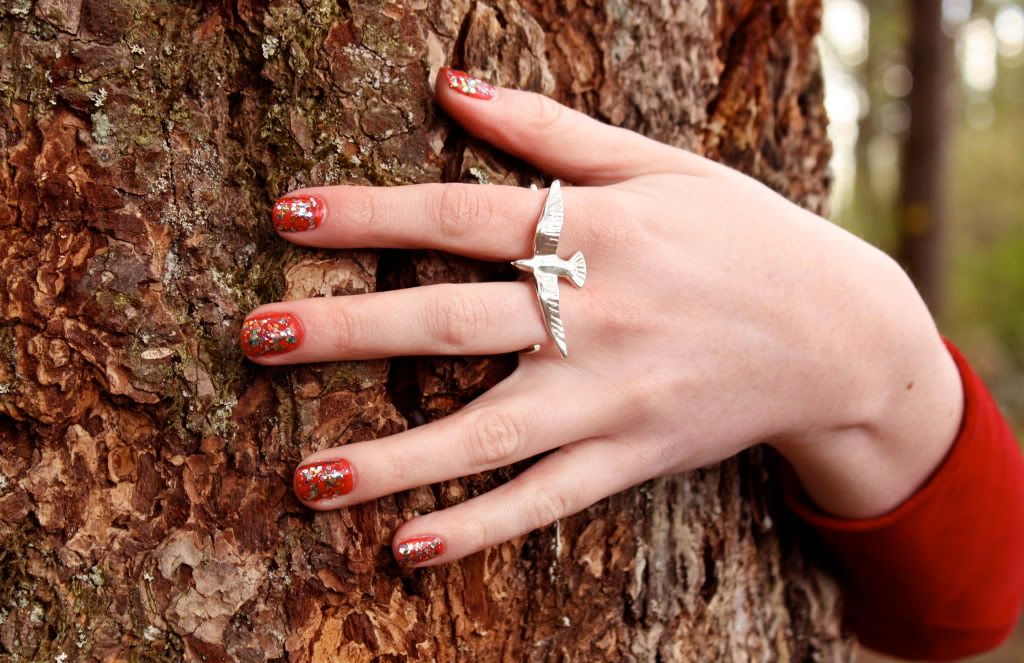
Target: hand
<point>716,315</point>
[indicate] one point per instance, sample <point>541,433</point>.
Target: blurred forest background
<point>926,100</point>
<point>971,260</point>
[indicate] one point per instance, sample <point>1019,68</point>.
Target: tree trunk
<point>144,496</point>
<point>923,177</point>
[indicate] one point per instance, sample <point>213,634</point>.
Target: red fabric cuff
<point>941,576</point>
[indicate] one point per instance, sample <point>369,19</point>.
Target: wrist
<point>888,404</point>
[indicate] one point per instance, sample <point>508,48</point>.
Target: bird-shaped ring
<point>547,267</point>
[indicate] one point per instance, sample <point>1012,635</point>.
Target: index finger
<point>482,221</point>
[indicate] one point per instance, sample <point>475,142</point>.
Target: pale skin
<point>716,316</point>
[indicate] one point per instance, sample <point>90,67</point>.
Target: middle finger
<point>444,319</point>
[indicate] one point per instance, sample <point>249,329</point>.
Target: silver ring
<point>546,267</point>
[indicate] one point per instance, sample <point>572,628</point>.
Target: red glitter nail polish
<point>324,480</point>
<point>298,213</point>
<point>419,549</point>
<point>471,86</point>
<point>271,334</point>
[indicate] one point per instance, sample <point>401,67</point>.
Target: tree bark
<point>922,209</point>
<point>145,466</point>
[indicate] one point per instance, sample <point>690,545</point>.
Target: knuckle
<point>613,225</point>
<point>650,400</point>
<point>604,231</point>
<point>344,331</point>
<point>545,506</point>
<point>458,319</point>
<point>645,457</point>
<point>614,316</point>
<point>478,534</point>
<point>493,438</point>
<point>460,208</point>
<point>361,209</point>
<point>399,467</point>
<point>549,114</point>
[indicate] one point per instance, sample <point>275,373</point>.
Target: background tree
<point>924,167</point>
<point>145,509</point>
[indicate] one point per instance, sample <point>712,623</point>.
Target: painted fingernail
<point>271,334</point>
<point>294,214</point>
<point>471,86</point>
<point>419,549</point>
<point>321,481</point>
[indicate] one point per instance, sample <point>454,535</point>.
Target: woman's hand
<point>716,315</point>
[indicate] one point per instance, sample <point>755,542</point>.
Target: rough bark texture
<point>145,467</point>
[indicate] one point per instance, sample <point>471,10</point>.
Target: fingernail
<point>271,334</point>
<point>296,214</point>
<point>419,549</point>
<point>322,481</point>
<point>471,86</point>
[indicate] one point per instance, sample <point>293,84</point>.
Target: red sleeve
<point>942,576</point>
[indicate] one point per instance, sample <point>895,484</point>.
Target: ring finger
<point>519,418</point>
<point>445,319</point>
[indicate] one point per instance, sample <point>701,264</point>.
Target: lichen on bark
<point>145,509</point>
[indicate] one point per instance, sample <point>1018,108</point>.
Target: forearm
<point>895,399</point>
<point>941,576</point>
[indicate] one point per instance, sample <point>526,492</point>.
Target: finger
<point>558,140</point>
<point>488,222</point>
<point>559,485</point>
<point>518,419</point>
<point>445,319</point>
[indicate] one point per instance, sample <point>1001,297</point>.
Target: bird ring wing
<point>547,292</point>
<point>549,228</point>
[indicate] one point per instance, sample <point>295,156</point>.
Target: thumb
<point>558,140</point>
